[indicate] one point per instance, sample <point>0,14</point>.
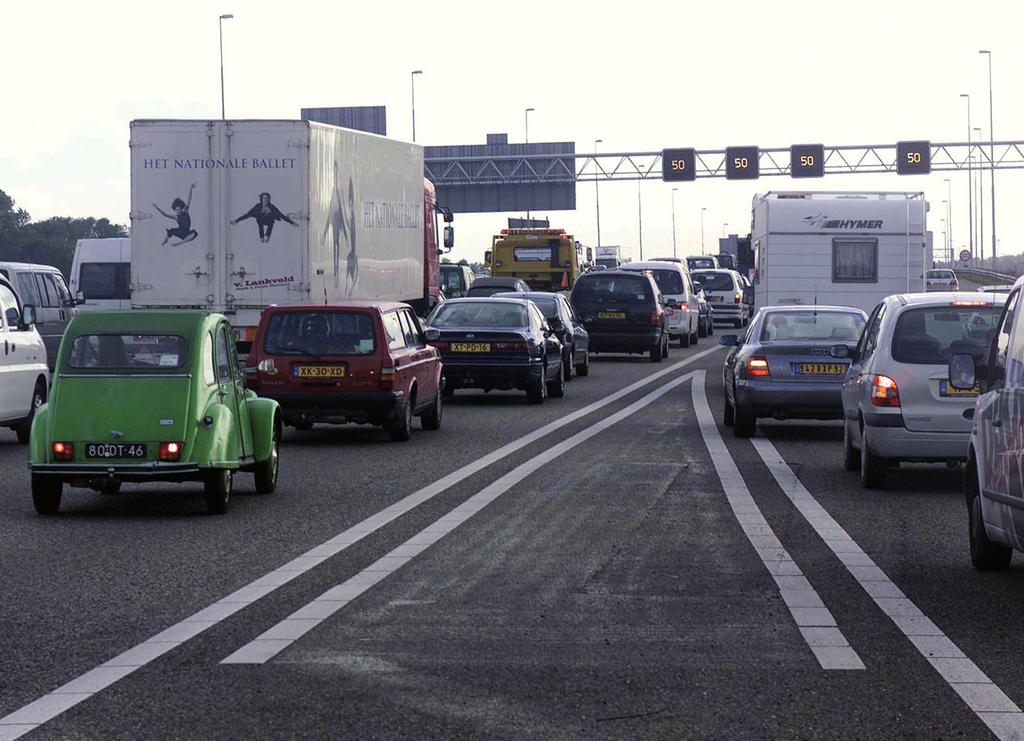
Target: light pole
<point>725,228</point>
<point>412,84</point>
<point>702,210</point>
<point>597,192</point>
<point>949,214</point>
<point>220,29</point>
<point>991,153</point>
<point>640,217</point>
<point>970,177</point>
<point>526,138</point>
<point>981,209</point>
<point>674,222</point>
<point>945,238</point>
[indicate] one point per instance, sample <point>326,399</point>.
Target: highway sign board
<point>741,163</point>
<point>913,158</point>
<point>678,164</point>
<point>807,160</point>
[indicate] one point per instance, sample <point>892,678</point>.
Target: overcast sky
<point>639,75</point>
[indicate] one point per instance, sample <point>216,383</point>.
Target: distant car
<point>725,290</point>
<point>43,287</point>
<point>681,304</point>
<point>623,312</point>
<point>483,287</point>
<point>784,366</point>
<point>485,273</point>
<point>566,325</point>
<point>143,396</point>
<point>678,260</point>
<point>455,279</point>
<point>898,401</point>
<point>101,273</point>
<point>941,280</point>
<point>366,362</point>
<point>497,343</point>
<point>705,322</point>
<point>727,261</point>
<point>23,369</point>
<point>702,262</point>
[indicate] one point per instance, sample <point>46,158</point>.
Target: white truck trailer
<point>842,249</point>
<point>234,216</point>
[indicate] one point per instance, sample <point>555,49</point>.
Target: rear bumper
<point>640,341</point>
<point>374,407</point>
<point>902,444</point>
<point>118,471</point>
<point>492,375</point>
<point>726,312</point>
<point>790,400</point>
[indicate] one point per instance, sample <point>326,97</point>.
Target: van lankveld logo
<point>823,221</point>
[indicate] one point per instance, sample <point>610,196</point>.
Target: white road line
<point>281,636</point>
<point>814,620</point>
<point>1003,717</point>
<point>51,705</point>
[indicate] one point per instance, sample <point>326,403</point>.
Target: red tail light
<point>387,376</point>
<point>884,392</point>
<point>170,451</point>
<point>656,317</point>
<point>63,451</point>
<point>757,367</point>
<point>440,345</point>
<point>737,298</point>
<point>520,346</point>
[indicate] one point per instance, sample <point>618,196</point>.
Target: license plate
<point>115,450</point>
<point>948,391</point>
<point>611,315</point>
<point>820,369</point>
<point>319,371</point>
<point>470,347</point>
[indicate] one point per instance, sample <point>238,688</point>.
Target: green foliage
<point>48,242</point>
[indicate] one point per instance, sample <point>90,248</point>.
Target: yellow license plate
<point>948,390</point>
<point>611,315</point>
<point>822,369</point>
<point>471,347</point>
<point>320,371</point>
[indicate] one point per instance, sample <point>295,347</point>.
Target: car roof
<point>139,321</point>
<point>812,307</point>
<point>28,266</point>
<point>653,265</point>
<point>499,281</point>
<point>612,273</point>
<point>351,304</point>
<point>486,299</point>
<point>939,298</point>
<point>526,294</point>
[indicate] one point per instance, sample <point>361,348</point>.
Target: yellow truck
<point>547,259</point>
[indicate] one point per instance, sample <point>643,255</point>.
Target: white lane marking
<point>267,645</point>
<point>56,702</point>
<point>814,620</point>
<point>1003,717</point>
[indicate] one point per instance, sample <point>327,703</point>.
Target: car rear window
<point>940,274</point>
<point>711,281</point>
<point>548,306</point>
<point>128,352</point>
<point>485,291</point>
<point>700,262</point>
<point>612,288</point>
<point>497,314</point>
<point>320,332</point>
<point>840,326</point>
<point>930,335</point>
<point>669,281</point>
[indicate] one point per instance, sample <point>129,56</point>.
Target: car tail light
<point>656,317</point>
<point>757,367</point>
<point>170,451</point>
<point>387,376</point>
<point>520,346</point>
<point>953,283</point>
<point>63,451</point>
<point>970,303</point>
<point>439,344</point>
<point>884,392</point>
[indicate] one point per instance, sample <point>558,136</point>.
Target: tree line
<point>50,241</point>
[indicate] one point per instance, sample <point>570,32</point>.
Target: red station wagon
<point>359,361</point>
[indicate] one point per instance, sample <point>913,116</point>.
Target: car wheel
<point>872,467</point>
<point>684,340</point>
<point>711,327</point>
<point>266,471</point>
<point>702,328</point>
<point>447,390</point>
<point>217,490</point>
<point>537,391</point>
<point>556,388</point>
<point>744,423</point>
<point>567,364</point>
<point>401,430</point>
<point>432,419</point>
<point>656,356</point>
<point>728,413</point>
<point>986,555</point>
<point>24,430</point>
<point>851,456</point>
<point>46,494</point>
<point>694,337</point>
<point>583,369</point>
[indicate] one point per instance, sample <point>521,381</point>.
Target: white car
<point>941,280</point>
<point>726,293</point>
<point>23,364</point>
<point>676,286</point>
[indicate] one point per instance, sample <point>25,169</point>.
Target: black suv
<point>623,312</point>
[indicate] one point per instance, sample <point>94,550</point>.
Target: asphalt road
<point>605,579</point>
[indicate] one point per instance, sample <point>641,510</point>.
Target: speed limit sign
<point>965,255</point>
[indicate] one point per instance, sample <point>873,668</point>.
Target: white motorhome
<point>841,249</point>
<point>101,273</point>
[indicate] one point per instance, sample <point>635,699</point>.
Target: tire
<point>432,420</point>
<point>401,430</point>
<point>538,391</point>
<point>986,555</point>
<point>583,369</point>
<point>728,414</point>
<point>24,430</point>
<point>217,488</point>
<point>46,494</point>
<point>684,340</point>
<point>744,423</point>
<point>567,368</point>
<point>266,471</point>
<point>695,338</point>
<point>556,388</point>
<point>711,327</point>
<point>851,455</point>
<point>872,467</point>
<point>447,390</point>
<point>656,354</point>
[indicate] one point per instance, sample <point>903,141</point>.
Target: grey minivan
<point>43,286</point>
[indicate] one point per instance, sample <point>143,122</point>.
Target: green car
<point>142,396</point>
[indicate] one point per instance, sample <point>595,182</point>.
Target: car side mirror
<point>449,237</point>
<point>432,335</point>
<point>79,298</point>
<point>28,316</point>
<point>962,372</point>
<point>697,287</point>
<point>729,340</point>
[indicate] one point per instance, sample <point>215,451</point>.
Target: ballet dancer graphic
<point>183,231</point>
<point>265,213</point>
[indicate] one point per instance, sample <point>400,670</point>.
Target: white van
<point>674,283</point>
<point>101,273</point>
<point>22,364</point>
<point>43,287</point>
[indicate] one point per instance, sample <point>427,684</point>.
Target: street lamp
<point>220,29</point>
<point>970,176</point>
<point>991,153</point>
<point>981,206</point>
<point>949,214</point>
<point>526,115</point>
<point>702,210</point>
<point>597,192</point>
<point>674,221</point>
<point>640,217</point>
<point>412,84</point>
<point>725,228</point>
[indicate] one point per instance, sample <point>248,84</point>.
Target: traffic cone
<point>565,281</point>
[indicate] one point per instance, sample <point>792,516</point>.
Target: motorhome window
<point>854,261</point>
<point>104,280</point>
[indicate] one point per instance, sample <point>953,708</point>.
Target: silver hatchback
<point>898,403</point>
